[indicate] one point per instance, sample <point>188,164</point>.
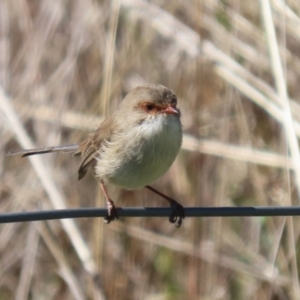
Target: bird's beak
<point>170,110</point>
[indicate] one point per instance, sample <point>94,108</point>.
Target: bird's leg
<point>111,209</point>
<point>177,209</point>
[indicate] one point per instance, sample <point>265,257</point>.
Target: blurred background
<point>64,65</point>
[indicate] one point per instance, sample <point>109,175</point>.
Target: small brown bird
<point>133,147</point>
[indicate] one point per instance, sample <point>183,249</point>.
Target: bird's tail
<point>28,152</point>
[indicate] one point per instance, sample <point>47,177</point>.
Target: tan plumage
<point>89,148</point>
<point>133,147</point>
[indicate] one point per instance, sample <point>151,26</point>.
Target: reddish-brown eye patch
<point>153,109</point>
<point>149,107</point>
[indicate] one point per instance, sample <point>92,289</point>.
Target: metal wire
<point>91,212</point>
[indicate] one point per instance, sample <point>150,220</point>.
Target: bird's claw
<point>177,213</point>
<point>107,219</point>
<point>111,212</point>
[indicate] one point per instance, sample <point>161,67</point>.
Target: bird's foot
<point>177,213</point>
<point>111,212</point>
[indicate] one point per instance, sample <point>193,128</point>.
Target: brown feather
<point>90,148</point>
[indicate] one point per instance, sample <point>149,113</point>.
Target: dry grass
<point>66,64</point>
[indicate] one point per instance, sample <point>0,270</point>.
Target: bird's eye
<point>150,106</point>
<point>174,101</point>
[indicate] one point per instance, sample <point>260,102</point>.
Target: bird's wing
<point>90,148</point>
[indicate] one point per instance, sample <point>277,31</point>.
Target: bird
<point>133,147</point>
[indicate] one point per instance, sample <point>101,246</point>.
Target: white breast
<point>140,154</point>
